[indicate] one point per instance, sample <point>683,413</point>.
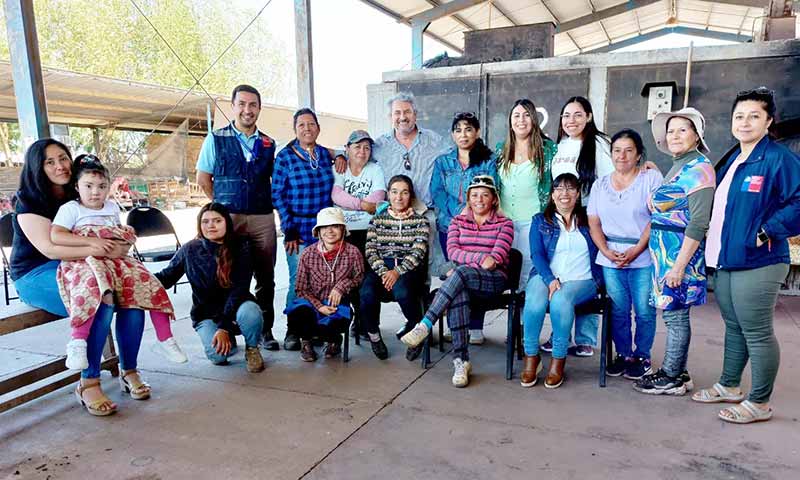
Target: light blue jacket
<point>449,185</point>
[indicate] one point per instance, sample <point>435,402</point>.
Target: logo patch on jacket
<point>266,142</point>
<point>753,183</point>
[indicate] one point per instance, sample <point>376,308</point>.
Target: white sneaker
<point>170,350</point>
<point>416,336</point>
<point>476,337</point>
<point>76,355</point>
<point>461,370</point>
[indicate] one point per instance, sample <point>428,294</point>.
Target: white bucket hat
<point>327,217</point>
<point>659,126</point>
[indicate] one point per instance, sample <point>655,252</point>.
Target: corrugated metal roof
<point>635,17</point>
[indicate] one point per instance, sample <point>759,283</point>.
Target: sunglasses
<point>481,181</point>
<point>406,162</point>
<point>462,115</point>
<point>757,91</point>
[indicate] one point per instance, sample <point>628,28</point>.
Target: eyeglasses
<point>757,91</point>
<point>406,162</point>
<point>565,189</point>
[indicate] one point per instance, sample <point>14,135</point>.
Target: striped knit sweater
<point>401,237</point>
<point>468,243</point>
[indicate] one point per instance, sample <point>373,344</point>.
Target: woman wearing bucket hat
<point>479,242</point>
<point>756,208</point>
<point>681,208</point>
<point>357,192</point>
<point>327,272</point>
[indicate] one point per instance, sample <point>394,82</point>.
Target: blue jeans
<point>562,312</point>
<point>292,262</point>
<point>631,287</point>
<point>250,320</point>
<point>679,334</point>
<point>38,288</point>
<point>129,329</point>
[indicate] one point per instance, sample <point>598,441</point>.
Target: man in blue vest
<point>235,168</point>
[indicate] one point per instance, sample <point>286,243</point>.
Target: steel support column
<point>305,57</point>
<point>26,70</point>
<point>417,41</point>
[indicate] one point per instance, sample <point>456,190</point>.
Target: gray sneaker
<point>255,362</point>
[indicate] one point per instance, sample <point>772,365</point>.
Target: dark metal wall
<point>714,86</point>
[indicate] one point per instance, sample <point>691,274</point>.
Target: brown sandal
<point>101,407</point>
<point>138,389</point>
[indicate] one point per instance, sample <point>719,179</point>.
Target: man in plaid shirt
<point>301,186</point>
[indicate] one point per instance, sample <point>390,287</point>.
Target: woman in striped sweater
<point>396,249</point>
<point>479,241</point>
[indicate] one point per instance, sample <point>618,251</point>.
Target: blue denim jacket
<point>449,185</point>
<point>764,192</point>
<point>544,237</point>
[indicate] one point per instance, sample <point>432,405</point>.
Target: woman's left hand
<point>673,278</point>
<point>489,263</point>
<point>626,257</point>
<point>334,298</point>
<point>648,165</point>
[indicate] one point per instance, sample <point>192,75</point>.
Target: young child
<point>327,272</point>
<point>83,284</point>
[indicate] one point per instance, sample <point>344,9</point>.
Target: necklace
<point>329,266</point>
<point>312,160</point>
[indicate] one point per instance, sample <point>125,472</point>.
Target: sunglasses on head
<point>464,115</point>
<point>757,91</point>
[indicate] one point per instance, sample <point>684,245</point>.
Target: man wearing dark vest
<point>235,168</point>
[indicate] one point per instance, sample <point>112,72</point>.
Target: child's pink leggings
<point>160,324</point>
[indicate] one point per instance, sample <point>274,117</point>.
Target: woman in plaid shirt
<point>327,272</point>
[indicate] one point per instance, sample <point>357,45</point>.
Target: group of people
<point>587,212</point>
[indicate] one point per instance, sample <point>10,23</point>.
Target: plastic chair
<point>6,240</point>
<point>509,300</point>
<point>151,222</point>
<point>601,305</point>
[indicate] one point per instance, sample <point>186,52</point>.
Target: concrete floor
<point>373,419</point>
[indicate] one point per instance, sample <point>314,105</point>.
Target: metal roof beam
<point>696,32</point>
<point>504,13</point>
<point>401,19</point>
<point>603,14</point>
<point>457,18</point>
<point>443,10</point>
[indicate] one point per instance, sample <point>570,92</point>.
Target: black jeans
<point>303,323</point>
<point>407,292</point>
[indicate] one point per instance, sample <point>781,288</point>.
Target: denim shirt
<point>449,185</point>
<point>544,238</point>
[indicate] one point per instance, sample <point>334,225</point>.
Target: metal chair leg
<point>441,335</point>
<point>346,349</point>
<point>510,341</point>
<point>604,345</point>
<point>426,352</point>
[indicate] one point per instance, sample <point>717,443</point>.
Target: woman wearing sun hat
<point>479,242</point>
<point>681,208</point>
<point>327,272</point>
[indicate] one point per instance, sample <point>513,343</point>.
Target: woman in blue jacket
<point>756,208</point>
<point>564,275</point>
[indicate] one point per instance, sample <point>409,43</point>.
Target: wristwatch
<point>762,235</point>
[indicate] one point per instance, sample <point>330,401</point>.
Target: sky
<point>353,44</point>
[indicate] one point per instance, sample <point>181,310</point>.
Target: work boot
<point>555,376</point>
<point>532,365</point>
<point>291,342</point>
<point>307,353</point>
<point>255,362</point>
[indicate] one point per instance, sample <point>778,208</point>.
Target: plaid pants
<point>465,284</point>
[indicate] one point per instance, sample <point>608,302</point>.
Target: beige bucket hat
<point>659,126</point>
<point>327,217</point>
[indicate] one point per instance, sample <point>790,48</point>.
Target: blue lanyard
<point>252,151</point>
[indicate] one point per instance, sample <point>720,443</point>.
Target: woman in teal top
<point>524,169</point>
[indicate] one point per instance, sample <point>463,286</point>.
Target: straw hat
<point>659,126</point>
<point>327,217</point>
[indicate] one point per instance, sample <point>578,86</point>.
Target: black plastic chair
<point>509,300</point>
<point>6,240</point>
<point>151,222</point>
<point>601,305</point>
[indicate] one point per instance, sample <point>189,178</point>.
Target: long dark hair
<point>568,180</point>
<point>587,164</point>
<point>34,186</point>
<point>480,152</point>
<point>225,252</point>
<point>535,141</point>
